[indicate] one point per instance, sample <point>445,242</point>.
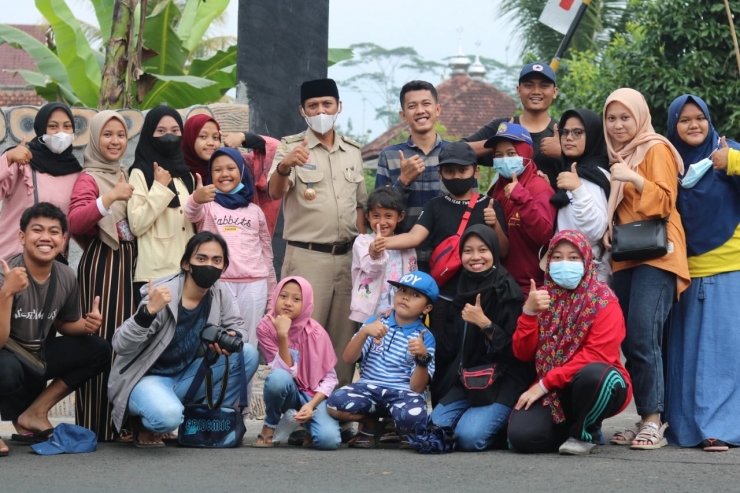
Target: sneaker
<point>577,447</point>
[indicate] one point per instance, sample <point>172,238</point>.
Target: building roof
<point>14,59</point>
<point>467,105</point>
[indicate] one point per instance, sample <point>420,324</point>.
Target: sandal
<point>264,443</point>
<point>625,437</point>
<point>714,445</point>
<point>32,437</point>
<point>653,434</point>
<point>364,440</point>
<point>138,429</point>
<point>170,437</point>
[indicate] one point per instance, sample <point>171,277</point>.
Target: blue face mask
<point>509,166</point>
<point>567,273</point>
<point>695,172</point>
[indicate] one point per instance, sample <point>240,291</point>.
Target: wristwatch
<point>424,360</point>
<point>488,330</point>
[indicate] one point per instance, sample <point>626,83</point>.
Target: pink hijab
<point>316,353</point>
<point>633,153</point>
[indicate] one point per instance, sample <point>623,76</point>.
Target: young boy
<point>396,363</point>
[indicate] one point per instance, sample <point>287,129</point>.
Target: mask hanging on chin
<point>322,123</point>
<point>205,276</point>
<point>696,172</point>
<point>57,143</point>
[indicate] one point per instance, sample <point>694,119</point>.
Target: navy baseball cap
<point>457,153</point>
<point>540,68</point>
<point>510,131</point>
<point>420,281</point>
<point>68,439</point>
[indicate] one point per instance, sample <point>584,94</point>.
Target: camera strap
<point>205,372</point>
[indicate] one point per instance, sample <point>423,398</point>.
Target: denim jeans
<point>476,427</point>
<point>281,394</point>
<point>159,399</point>
<point>646,295</point>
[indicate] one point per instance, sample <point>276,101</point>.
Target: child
<point>397,362</point>
<point>302,358</point>
<point>372,264</point>
<point>225,207</point>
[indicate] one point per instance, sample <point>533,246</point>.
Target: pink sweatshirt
<point>16,194</point>
<point>246,234</point>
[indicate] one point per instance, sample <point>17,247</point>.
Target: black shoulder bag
<point>640,240</point>
<point>478,381</point>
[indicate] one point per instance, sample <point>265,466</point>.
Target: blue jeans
<point>646,295</point>
<point>281,394</point>
<point>159,399</point>
<point>476,427</point>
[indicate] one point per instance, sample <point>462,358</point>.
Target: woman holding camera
<point>160,349</point>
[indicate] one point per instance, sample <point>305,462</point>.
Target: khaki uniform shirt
<point>337,179</point>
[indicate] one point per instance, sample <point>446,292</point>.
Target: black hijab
<point>149,150</point>
<point>594,155</point>
<point>43,160</point>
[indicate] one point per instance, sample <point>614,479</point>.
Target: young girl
<point>302,358</point>
<point>372,264</point>
<point>225,207</point>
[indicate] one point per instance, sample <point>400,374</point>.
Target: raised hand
<point>510,187</point>
<point>161,175</point>
<point>123,190</point>
<point>159,297</point>
<point>16,279</point>
<point>93,320</point>
<point>281,324</point>
<point>233,139</point>
<point>416,345</point>
<point>719,157</point>
<point>410,168</point>
<point>620,171</point>
<point>203,194</point>
<point>550,146</point>
<point>568,180</point>
<point>377,330</point>
<point>489,215</point>
<point>298,156</point>
<point>20,154</point>
<point>538,300</point>
<point>473,314</point>
<point>377,246</point>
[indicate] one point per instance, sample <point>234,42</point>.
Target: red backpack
<point>445,261</point>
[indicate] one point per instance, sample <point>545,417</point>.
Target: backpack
<point>445,261</point>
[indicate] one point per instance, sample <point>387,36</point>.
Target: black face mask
<point>205,276</point>
<point>167,145</point>
<point>458,186</point>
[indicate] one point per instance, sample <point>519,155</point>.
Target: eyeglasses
<point>576,132</point>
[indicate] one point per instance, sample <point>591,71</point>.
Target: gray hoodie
<point>137,347</point>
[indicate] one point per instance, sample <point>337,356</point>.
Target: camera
<point>213,334</point>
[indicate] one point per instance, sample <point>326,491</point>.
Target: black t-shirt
<point>441,217</point>
<point>185,343</point>
<point>548,165</point>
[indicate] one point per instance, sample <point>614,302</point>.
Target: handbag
<point>445,261</point>
<point>640,240</point>
<point>478,381</point>
<point>209,424</point>
<point>30,354</point>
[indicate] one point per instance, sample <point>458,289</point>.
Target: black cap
<point>457,153</point>
<point>319,88</point>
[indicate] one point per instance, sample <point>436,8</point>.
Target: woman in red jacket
<point>572,329</point>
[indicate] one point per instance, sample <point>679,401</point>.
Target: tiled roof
<point>13,59</point>
<point>467,105</point>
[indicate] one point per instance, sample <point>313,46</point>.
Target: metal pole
<point>555,63</point>
<point>734,35</point>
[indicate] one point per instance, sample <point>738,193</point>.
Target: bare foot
<point>148,438</point>
<point>3,448</point>
<point>31,424</point>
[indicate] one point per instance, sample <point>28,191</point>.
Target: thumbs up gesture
<point>568,180</point>
<point>550,146</point>
<point>159,297</point>
<point>416,345</point>
<point>538,300</point>
<point>377,247</point>
<point>411,168</point>
<point>121,191</point>
<point>297,157</point>
<point>93,320</point>
<point>473,314</point>
<point>20,154</point>
<point>281,323</point>
<point>510,187</point>
<point>161,175</point>
<point>489,215</point>
<point>376,329</point>
<point>16,279</point>
<point>203,194</point>
<point>720,156</point>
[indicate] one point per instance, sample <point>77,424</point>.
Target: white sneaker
<point>577,447</point>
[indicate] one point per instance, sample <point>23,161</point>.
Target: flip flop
<point>138,427</point>
<point>32,436</point>
<point>714,445</point>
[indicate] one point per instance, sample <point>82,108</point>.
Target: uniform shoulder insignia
<point>351,141</point>
<point>294,138</point>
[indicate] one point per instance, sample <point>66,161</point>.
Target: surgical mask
<point>235,190</point>
<point>205,276</point>
<point>167,145</point>
<point>695,173</point>
<point>59,142</point>
<point>567,273</point>
<point>322,123</point>
<point>458,186</point>
<point>509,166</point>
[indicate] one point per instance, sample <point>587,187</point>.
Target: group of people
<point>504,304</point>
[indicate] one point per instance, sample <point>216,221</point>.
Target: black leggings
<point>596,392</point>
<point>73,359</point>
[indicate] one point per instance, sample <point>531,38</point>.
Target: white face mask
<point>57,143</point>
<point>322,123</point>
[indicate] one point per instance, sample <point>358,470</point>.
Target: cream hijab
<point>633,153</point>
<point>106,174</point>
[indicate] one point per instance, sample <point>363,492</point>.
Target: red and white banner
<point>559,14</point>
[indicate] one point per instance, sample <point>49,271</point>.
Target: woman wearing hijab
<point>484,312</point>
<point>97,218</point>
<point>302,358</point>
<point>644,187</point>
<point>583,182</point>
<point>45,171</point>
<point>709,203</point>
<point>162,184</point>
<point>201,136</point>
<point>572,329</point>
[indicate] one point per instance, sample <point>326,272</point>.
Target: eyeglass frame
<point>564,133</point>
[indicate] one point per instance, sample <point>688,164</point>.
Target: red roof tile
<point>14,59</point>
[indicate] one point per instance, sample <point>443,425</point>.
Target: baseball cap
<point>509,131</point>
<point>457,153</point>
<point>420,281</point>
<point>68,439</point>
<point>538,68</point>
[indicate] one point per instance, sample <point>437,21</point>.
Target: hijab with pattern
<point>190,134</point>
<point>106,174</point>
<point>146,153</point>
<point>43,160</point>
<point>243,193</point>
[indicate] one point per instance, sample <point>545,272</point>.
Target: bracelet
<point>280,172</point>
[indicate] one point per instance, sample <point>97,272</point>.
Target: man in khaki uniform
<point>319,176</point>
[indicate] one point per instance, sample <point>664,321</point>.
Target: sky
<point>434,28</point>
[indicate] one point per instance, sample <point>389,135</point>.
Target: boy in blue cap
<point>396,353</point>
